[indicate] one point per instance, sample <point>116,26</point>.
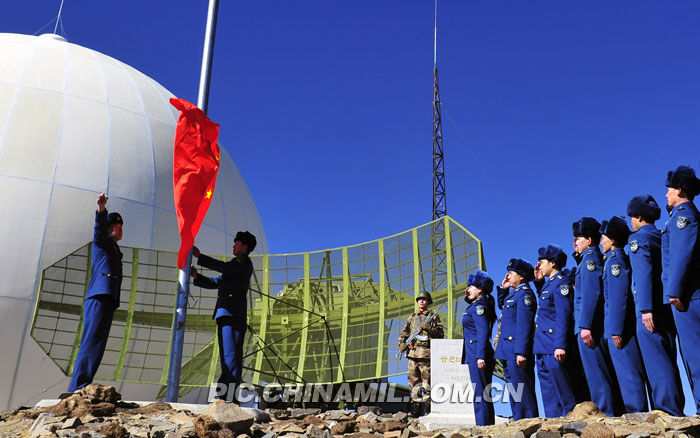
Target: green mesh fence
<point>320,317</point>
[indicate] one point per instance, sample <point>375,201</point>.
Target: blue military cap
<point>481,280</point>
<point>587,227</point>
<point>616,229</point>
<point>520,266</point>
<point>683,178</point>
<point>114,218</point>
<point>552,253</point>
<point>644,206</point>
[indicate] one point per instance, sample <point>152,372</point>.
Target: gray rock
<point>259,416</point>
<point>231,416</point>
<point>161,430</point>
<point>637,416</point>
<point>338,415</point>
<point>369,417</point>
<point>362,410</point>
<point>400,416</point>
<point>546,434</point>
<point>314,431</point>
<point>576,427</point>
<point>71,423</point>
<point>298,413</point>
<point>279,414</point>
<point>42,421</point>
<point>269,435</point>
<point>639,435</point>
<point>67,433</point>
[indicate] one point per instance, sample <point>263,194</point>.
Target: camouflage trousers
<point>419,378</point>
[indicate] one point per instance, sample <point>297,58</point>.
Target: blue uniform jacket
<point>680,250</point>
<point>477,322</point>
<point>554,320</point>
<point>106,274</point>
<point>645,261</point>
<point>232,284</point>
<point>619,310</point>
<point>517,322</point>
<point>588,293</point>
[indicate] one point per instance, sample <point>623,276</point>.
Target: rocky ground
<point>97,411</point>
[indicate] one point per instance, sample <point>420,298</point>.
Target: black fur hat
<point>520,266</point>
<point>684,178</point>
<point>644,206</point>
<point>616,229</point>
<point>554,254</point>
<point>587,227</point>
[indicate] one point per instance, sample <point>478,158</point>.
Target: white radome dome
<point>74,123</point>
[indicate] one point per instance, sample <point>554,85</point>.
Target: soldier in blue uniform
<point>554,326</point>
<point>477,323</point>
<point>102,297</point>
<point>231,311</point>
<point>680,253</point>
<point>620,329</point>
<point>588,319</point>
<point>656,331</point>
<point>517,303</point>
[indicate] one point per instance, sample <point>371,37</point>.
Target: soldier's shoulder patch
<point>615,270</point>
<point>634,246</point>
<point>564,289</point>
<point>528,300</point>
<point>681,222</point>
<point>590,265</point>
<point>480,310</point>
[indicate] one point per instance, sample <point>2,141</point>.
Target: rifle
<point>410,339</point>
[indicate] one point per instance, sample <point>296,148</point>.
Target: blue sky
<point>552,110</point>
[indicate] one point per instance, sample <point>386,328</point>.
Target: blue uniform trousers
<point>483,404</point>
<point>574,367</point>
<point>659,352</point>
<point>555,385</point>
<point>231,333</point>
<point>631,376</point>
<point>688,326</point>
<point>521,387</point>
<point>600,374</point>
<point>97,321</point>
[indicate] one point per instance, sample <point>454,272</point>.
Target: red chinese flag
<point>195,163</point>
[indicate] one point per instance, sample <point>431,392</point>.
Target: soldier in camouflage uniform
<point>419,350</point>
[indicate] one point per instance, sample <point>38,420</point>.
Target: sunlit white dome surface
<point>74,123</point>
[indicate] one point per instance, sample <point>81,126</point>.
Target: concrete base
<point>435,421</point>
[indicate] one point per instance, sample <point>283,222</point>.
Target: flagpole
<point>183,278</point>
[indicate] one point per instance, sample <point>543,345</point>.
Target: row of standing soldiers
<point>614,317</point>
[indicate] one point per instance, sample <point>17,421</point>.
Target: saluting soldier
<point>418,352</point>
<point>589,317</point>
<point>517,303</point>
<point>680,249</point>
<point>656,331</point>
<point>620,330</point>
<point>103,294</point>
<point>554,326</point>
<point>231,310</point>
<point>477,323</point>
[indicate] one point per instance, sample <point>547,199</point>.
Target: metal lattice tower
<point>439,272</point>
<point>439,192</point>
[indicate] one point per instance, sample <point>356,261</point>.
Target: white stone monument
<point>451,402</point>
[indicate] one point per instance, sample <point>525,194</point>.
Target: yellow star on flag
<point>208,194</point>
